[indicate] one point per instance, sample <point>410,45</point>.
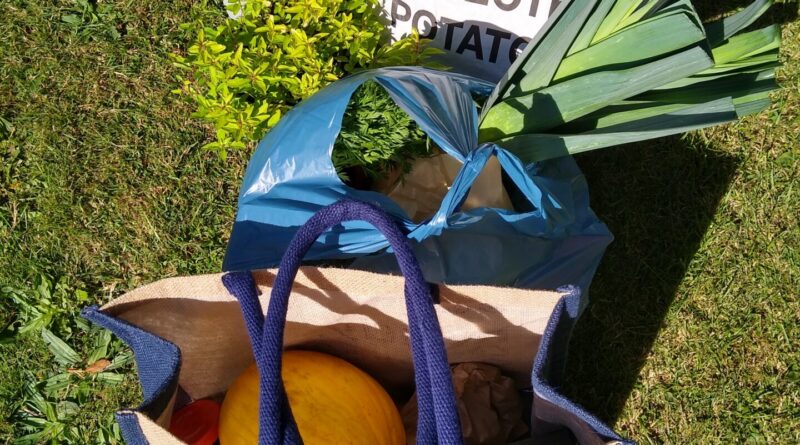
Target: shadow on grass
<point>658,198</point>
<point>786,11</point>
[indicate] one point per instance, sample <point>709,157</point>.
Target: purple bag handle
<point>438,418</point>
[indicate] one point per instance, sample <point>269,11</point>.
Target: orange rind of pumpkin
<point>332,402</point>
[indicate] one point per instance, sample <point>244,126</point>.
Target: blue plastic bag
<point>553,238</point>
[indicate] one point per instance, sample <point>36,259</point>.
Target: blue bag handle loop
<point>438,416</point>
<point>474,163</point>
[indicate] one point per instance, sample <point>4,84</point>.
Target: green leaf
<point>589,29</point>
<point>539,67</point>
<point>120,361</point>
<point>540,147</point>
<point>749,44</point>
<point>569,100</point>
<point>634,45</point>
<point>724,29</point>
<point>516,71</point>
<point>101,343</point>
<point>62,352</point>
<point>645,10</point>
<point>274,118</point>
<point>621,9</point>
<point>678,6</point>
<point>756,105</point>
<point>765,63</point>
<point>110,378</point>
<point>56,383</point>
<point>81,296</point>
<point>741,88</point>
<point>71,19</point>
<point>621,113</point>
<point>66,408</point>
<point>238,83</point>
<point>757,63</point>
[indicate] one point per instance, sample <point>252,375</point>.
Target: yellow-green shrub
<point>245,73</point>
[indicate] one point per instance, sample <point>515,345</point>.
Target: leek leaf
<point>515,71</point>
<point>542,64</point>
<point>634,45</point>
<point>580,96</point>
<point>724,29</point>
<point>540,147</point>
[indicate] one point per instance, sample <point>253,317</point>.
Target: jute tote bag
<point>195,335</point>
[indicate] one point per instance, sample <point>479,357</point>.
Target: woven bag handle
<point>438,418</point>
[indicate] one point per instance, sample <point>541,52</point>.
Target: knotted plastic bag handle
<point>438,418</point>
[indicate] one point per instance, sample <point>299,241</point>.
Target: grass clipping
<point>608,72</point>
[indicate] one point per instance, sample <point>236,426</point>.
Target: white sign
<point>480,37</point>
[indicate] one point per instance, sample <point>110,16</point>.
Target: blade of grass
<point>62,352</point>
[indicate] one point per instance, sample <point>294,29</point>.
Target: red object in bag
<point>197,423</point>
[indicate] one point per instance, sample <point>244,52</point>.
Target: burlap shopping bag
<point>199,333</point>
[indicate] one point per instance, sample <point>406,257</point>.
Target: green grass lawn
<point>691,337</point>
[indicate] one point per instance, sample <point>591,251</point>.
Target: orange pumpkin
<point>332,401</point>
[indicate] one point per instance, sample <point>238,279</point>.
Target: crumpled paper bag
<point>489,406</point>
<point>421,190</point>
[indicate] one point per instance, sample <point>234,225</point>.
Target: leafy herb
<point>376,136</point>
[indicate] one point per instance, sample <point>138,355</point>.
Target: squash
<point>332,402</point>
